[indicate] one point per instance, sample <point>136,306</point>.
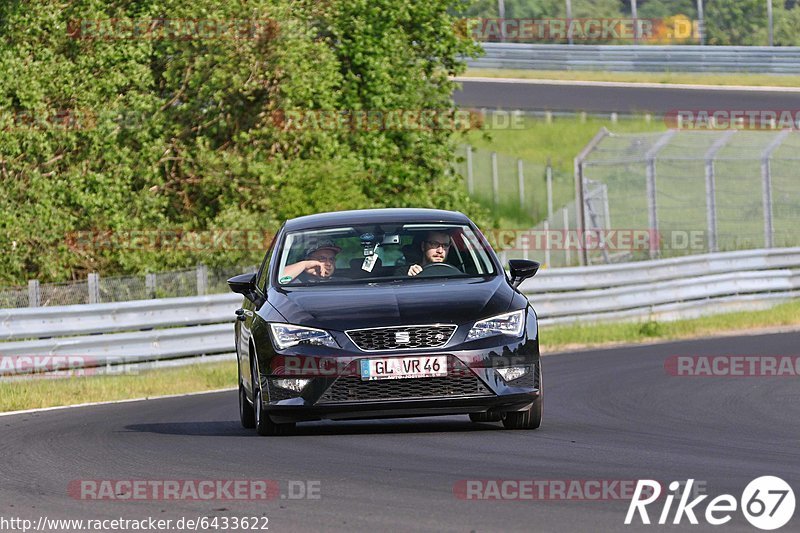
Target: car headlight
<point>287,335</point>
<point>506,324</point>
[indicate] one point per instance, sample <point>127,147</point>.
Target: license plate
<point>404,367</point>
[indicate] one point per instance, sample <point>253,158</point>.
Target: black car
<point>385,313</point>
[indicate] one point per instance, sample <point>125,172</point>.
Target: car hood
<point>341,307</point>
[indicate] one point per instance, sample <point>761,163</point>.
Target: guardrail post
<point>150,285</point>
<point>34,294</point>
<point>766,186</point>
<point>202,280</point>
<point>495,181</point>
<point>470,179</point>
<point>93,283</point>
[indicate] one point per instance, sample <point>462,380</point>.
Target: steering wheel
<point>437,269</point>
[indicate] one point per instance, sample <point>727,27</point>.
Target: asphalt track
<point>609,414</point>
<point>598,98</point>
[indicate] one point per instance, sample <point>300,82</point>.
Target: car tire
<point>263,423</point>
<point>530,418</point>
<point>485,417</point>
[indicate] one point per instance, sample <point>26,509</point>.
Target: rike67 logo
<point>767,503</point>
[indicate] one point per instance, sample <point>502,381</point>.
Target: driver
<point>435,247</point>
<point>319,264</point>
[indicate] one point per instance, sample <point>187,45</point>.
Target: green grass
<point>38,392</point>
<point>536,142</point>
<point>556,338</point>
<point>760,80</point>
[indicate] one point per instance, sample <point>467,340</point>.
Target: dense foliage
<point>168,130</point>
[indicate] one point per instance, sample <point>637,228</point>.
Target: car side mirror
<point>244,284</point>
<point>522,269</point>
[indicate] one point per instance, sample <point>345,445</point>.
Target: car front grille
<point>460,381</point>
<point>401,337</point>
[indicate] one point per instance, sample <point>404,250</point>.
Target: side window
<point>263,272</point>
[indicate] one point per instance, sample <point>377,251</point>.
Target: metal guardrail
<point>666,289</point>
<point>91,319</point>
<point>641,58</point>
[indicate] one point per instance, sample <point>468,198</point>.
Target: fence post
<point>580,188</point>
<point>150,285</point>
<point>549,180</point>
<point>766,186</point>
<point>652,205</point>
<point>521,180</point>
<point>495,181</point>
<point>202,280</point>
<point>34,294</point>
<point>93,283</point>
<point>711,190</point>
<point>470,179</point>
<point>546,243</point>
<point>566,240</point>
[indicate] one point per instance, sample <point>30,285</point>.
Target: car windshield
<point>370,253</point>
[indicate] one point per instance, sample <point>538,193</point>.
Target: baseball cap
<point>324,244</point>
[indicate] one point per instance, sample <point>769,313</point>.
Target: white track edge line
<point>111,402</point>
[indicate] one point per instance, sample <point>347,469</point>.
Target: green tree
<point>172,132</point>
<point>736,22</point>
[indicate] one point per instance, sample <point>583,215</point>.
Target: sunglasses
<point>435,244</point>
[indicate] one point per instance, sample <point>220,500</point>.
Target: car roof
<point>375,216</point>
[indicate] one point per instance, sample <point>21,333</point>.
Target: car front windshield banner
<point>378,253</point>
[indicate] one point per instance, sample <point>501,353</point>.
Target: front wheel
<point>264,425</point>
<point>247,414</point>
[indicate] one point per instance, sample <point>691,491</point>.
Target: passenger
<point>319,264</point>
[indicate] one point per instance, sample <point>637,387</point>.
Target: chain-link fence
<point>516,190</point>
<point>97,289</point>
<point>694,191</point>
